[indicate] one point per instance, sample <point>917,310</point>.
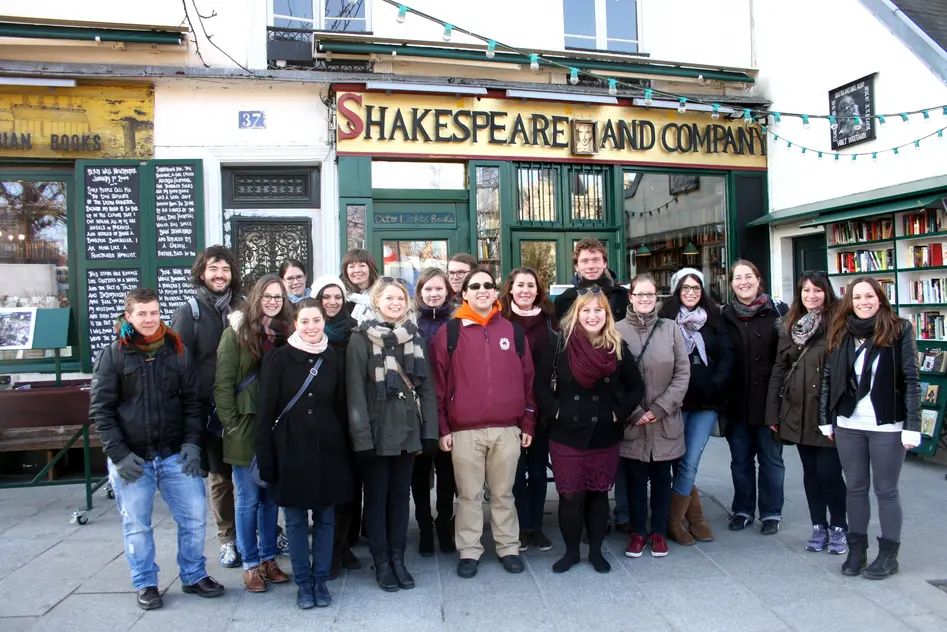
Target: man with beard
<point>590,259</point>
<point>201,322</point>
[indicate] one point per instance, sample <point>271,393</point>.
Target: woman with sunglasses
<point>392,416</point>
<point>263,323</point>
<point>587,386</point>
<point>792,408</point>
<point>359,273</point>
<point>655,437</point>
<point>523,302</point>
<point>751,318</point>
<point>871,407</point>
<point>302,447</point>
<point>710,354</point>
<point>331,294</point>
<point>432,308</point>
<point>293,273</point>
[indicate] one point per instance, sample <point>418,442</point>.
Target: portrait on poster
<point>16,328</point>
<point>852,105</point>
<point>584,138</point>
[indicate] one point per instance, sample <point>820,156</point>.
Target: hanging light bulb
<point>940,134</point>
<point>896,152</point>
<point>926,115</point>
<point>881,120</point>
<point>836,158</point>
<point>904,118</point>
<point>573,76</point>
<point>833,124</point>
<point>491,49</point>
<point>534,62</point>
<point>402,14</point>
<point>874,156</point>
<point>917,144</point>
<point>612,87</point>
<point>682,105</point>
<point>854,156</point>
<point>820,155</point>
<point>945,111</point>
<point>448,29</point>
<point>858,122</point>
<point>788,145</point>
<point>776,119</point>
<point>805,121</point>
<point>803,151</point>
<point>647,96</point>
<point>747,116</point>
<point>716,113</point>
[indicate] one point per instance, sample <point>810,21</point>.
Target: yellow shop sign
<point>415,126</point>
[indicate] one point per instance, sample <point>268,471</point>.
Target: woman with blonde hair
<point>587,386</point>
<point>392,416</point>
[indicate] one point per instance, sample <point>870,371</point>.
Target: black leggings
<point>421,489</point>
<point>588,508</point>
<point>825,487</point>
<point>387,500</point>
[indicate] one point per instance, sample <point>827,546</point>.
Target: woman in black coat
<point>711,362</point>
<point>302,450</point>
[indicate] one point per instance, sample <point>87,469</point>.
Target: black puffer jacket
<point>707,389</point>
<point>149,406</point>
<point>203,348</point>
<point>617,296</point>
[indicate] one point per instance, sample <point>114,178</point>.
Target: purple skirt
<point>577,470</point>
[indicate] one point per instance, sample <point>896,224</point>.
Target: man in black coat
<point>217,295</point>
<point>145,406</point>
<point>590,259</point>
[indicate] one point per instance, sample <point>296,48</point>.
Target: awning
<point>798,213</point>
<point>48,31</point>
<point>885,208</point>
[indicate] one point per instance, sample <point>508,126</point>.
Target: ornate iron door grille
<point>261,244</point>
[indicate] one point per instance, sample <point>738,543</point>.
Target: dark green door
<point>808,253</point>
<point>550,252</point>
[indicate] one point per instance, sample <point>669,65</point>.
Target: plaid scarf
<point>803,328</point>
<point>746,312</point>
<point>690,324</point>
<point>385,337</point>
<point>274,333</point>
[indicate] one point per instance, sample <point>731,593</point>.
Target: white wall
<point>711,32</point>
<point>199,119</point>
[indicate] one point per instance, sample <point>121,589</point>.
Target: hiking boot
<point>886,564</point>
<point>676,530</point>
<point>229,555</point>
<point>819,539</point>
<point>542,542</point>
<point>273,573</point>
<point>254,580</point>
<point>838,542</point>
<point>404,578</point>
<point>658,544</point>
<point>635,546</point>
<point>695,519</point>
<point>770,527</point>
<point>857,558</point>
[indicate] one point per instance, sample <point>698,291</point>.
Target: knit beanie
<point>326,280</point>
<point>677,278</point>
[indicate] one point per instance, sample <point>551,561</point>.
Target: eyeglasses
<point>293,279</point>
<point>457,274</point>
<point>690,289</point>
<point>489,285</point>
<point>398,280</point>
<point>644,296</point>
<point>813,273</point>
<point>582,291</point>
<point>268,298</point>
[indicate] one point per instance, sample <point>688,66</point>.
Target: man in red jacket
<point>486,413</point>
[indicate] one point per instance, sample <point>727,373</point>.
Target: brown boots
<point>695,519</point>
<point>676,530</point>
<point>269,571</point>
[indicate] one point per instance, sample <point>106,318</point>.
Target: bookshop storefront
<point>517,181</point>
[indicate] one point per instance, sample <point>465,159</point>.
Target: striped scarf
<point>385,337</point>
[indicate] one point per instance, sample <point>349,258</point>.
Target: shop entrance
<point>550,253</point>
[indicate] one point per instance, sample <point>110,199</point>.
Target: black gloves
<point>190,459</point>
<point>130,468</point>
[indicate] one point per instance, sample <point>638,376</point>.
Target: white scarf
<point>690,323</point>
<point>362,309</point>
<point>296,341</point>
<point>525,313</point>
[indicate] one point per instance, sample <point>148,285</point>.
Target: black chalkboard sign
<point>174,288</point>
<point>105,295</point>
<point>176,210</point>
<point>112,212</point>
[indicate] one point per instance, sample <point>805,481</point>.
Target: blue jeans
<point>529,486</point>
<point>698,425</point>
<point>256,513</point>
<point>747,442</point>
<point>622,513</point>
<point>297,528</point>
<point>185,497</point>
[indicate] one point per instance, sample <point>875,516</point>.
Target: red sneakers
<point>659,546</point>
<point>635,546</point>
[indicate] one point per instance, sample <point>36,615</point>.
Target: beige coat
<point>666,371</point>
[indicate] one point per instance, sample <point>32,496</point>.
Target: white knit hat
<point>326,280</point>
<point>686,272</point>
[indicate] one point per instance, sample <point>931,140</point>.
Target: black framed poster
<point>855,99</point>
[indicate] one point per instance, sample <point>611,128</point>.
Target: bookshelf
<point>701,247</point>
<point>907,253</point>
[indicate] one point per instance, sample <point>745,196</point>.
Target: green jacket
<point>237,412</point>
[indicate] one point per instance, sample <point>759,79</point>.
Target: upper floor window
<point>610,25</point>
<point>349,16</point>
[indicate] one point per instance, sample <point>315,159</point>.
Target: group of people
<point>336,401</point>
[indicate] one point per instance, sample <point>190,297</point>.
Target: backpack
<point>453,336</point>
<point>195,314</point>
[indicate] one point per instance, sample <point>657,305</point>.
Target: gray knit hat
<point>686,272</point>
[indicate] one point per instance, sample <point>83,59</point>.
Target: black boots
<point>402,576</point>
<point>384,575</point>
<point>426,544</point>
<point>445,535</point>
<point>886,564</point>
<point>857,554</point>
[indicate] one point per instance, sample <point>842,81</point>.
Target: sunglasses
<point>489,285</point>
<point>399,280</point>
<point>812,273</point>
<point>589,290</point>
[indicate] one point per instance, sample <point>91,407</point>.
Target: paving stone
<point>15,552</point>
<point>190,612</point>
<point>710,604</point>
<point>521,611</point>
<point>852,614</point>
<point>92,613</point>
<point>926,622</point>
<point>681,562</point>
<point>18,624</point>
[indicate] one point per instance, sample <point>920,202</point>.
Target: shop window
<point>587,194</point>
<point>348,16</point>
<point>541,256</point>
<point>488,218</point>
<point>536,194</point>
<point>271,187</point>
<point>610,25</point>
<point>404,259</point>
<point>355,226</point>
<point>391,174</point>
<point>675,221</point>
<point>34,246</point>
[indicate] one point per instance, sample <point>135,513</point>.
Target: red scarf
<point>588,364</point>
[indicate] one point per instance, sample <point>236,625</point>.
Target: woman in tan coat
<point>655,437</point>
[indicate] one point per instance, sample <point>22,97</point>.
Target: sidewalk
<point>59,576</point>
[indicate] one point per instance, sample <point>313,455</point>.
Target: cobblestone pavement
<point>58,576</point>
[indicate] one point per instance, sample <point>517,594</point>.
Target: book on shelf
<point>886,284</point>
<point>862,230</point>
<point>928,290</point>
<point>928,422</point>
<point>927,255</point>
<point>929,325</point>
<point>935,361</point>
<point>847,261</point>
<point>930,391</point>
<point>930,220</point>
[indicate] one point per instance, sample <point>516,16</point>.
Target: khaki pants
<point>222,502</point>
<point>489,454</point>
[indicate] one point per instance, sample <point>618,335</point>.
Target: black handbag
<point>214,425</point>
